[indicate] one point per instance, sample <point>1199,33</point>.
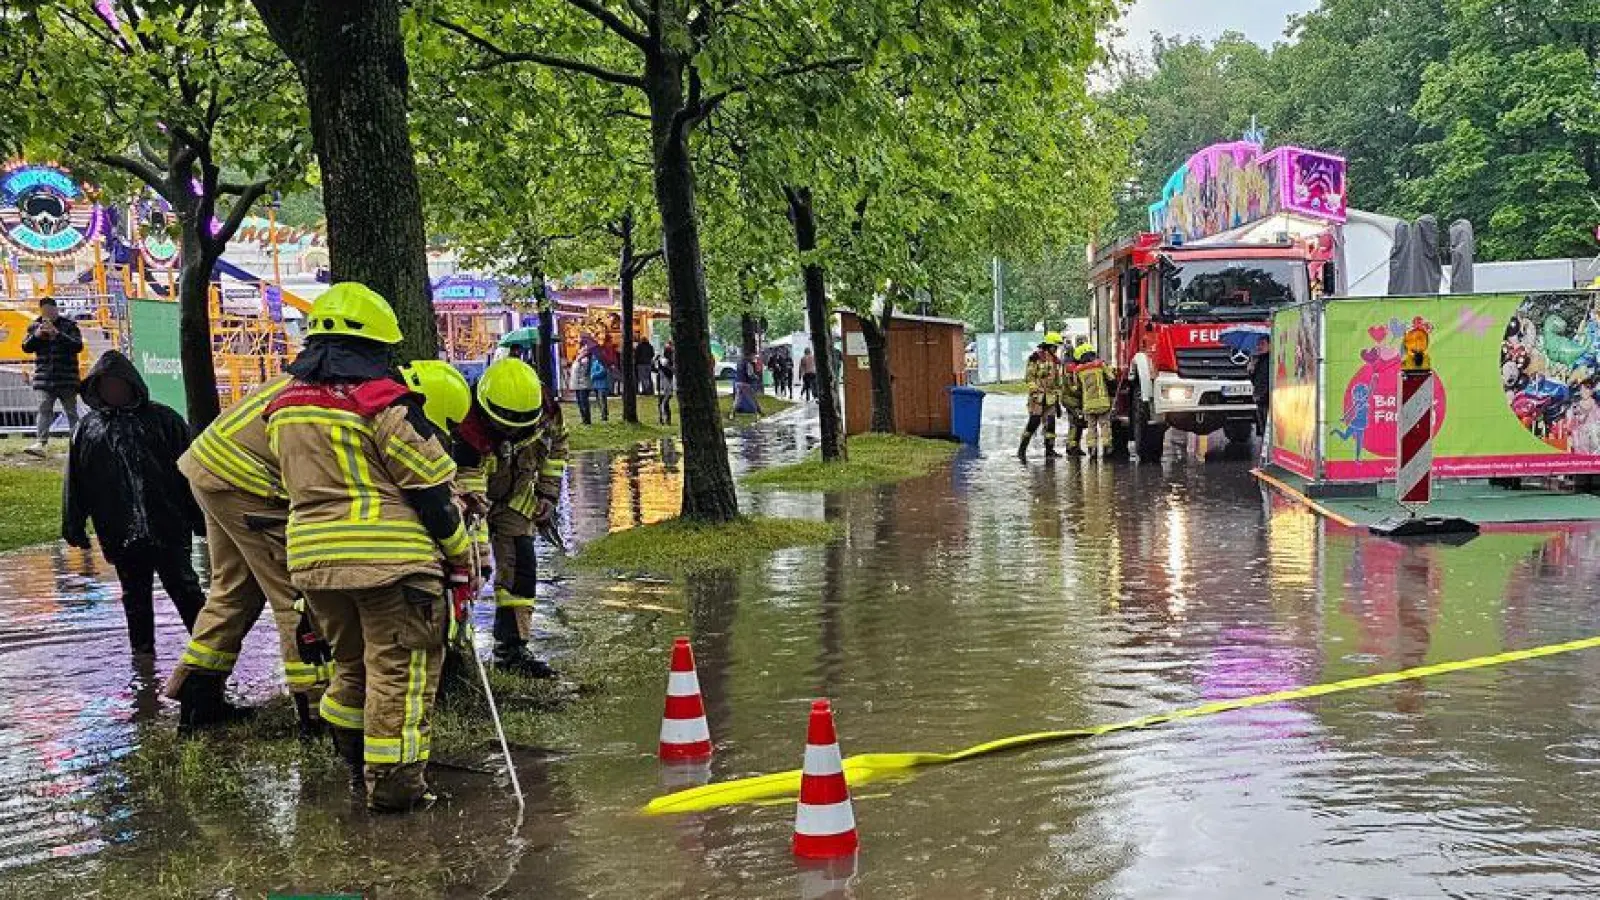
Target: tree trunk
<point>804,220</point>
<point>194,330</point>
<point>545,361</point>
<point>351,59</point>
<point>625,275</point>
<point>749,338</point>
<point>876,332</point>
<point>708,493</point>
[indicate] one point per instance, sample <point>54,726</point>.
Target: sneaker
<point>35,449</point>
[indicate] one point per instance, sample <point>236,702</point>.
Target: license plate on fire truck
<point>1237,390</point>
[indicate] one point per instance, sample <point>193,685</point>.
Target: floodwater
<point>986,600</point>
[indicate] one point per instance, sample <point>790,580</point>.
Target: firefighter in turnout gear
<point>1072,399</point>
<point>371,519</point>
<point>512,451</point>
<point>1094,387</point>
<point>234,476</point>
<point>1043,375</point>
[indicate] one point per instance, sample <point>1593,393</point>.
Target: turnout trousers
<point>388,648</point>
<point>249,571</point>
<point>516,574</point>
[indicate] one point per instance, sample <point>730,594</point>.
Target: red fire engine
<point>1158,313</point>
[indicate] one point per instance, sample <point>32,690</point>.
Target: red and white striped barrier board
<point>1414,474</point>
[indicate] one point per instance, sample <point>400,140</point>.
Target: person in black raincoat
<point>122,475</point>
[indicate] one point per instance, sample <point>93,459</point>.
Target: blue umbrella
<point>1244,338</point>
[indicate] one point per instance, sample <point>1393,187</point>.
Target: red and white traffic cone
<point>824,822</point>
<point>685,736</point>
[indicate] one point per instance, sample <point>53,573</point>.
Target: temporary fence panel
<point>1516,379</point>
<point>1014,347</point>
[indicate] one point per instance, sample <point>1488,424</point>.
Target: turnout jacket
<point>515,471</point>
<point>234,452</point>
<point>368,480</point>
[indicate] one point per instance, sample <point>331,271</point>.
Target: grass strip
<point>31,497</point>
<point>874,459</point>
<point>678,548</point>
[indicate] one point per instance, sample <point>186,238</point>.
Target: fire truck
<point>1158,312</point>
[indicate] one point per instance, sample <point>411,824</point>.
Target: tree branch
<point>643,261</point>
<point>241,208</point>
<point>613,22</point>
<point>841,63</point>
<point>139,169</point>
<point>503,57</point>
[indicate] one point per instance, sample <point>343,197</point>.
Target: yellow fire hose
<point>869,767</point>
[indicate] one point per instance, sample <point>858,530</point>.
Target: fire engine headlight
<point>1177,393</point>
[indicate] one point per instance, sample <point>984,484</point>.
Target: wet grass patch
<point>677,548</point>
<point>31,497</point>
<point>1004,387</point>
<point>874,459</point>
<point>617,434</point>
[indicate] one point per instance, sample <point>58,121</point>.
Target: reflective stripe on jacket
<point>348,463</point>
<point>235,447</point>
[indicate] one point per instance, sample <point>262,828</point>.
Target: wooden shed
<point>926,358</point>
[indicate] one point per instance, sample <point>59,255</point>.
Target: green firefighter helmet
<point>511,394</point>
<point>1053,339</point>
<point>446,397</point>
<point>1082,350</point>
<point>353,309</point>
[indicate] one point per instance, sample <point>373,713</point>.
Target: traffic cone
<point>824,822</point>
<point>685,736</point>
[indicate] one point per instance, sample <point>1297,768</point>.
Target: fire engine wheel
<point>1149,437</point>
<point>1238,431</point>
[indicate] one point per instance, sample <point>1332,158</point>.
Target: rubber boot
<point>1050,450</point>
<point>350,745</point>
<point>516,657</point>
<point>400,789</point>
<point>311,725</point>
<point>202,704</point>
<point>511,651</point>
<point>1022,451</point>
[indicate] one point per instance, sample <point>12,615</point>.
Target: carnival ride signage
<point>45,212</point>
<point>1227,186</point>
<point>156,242</point>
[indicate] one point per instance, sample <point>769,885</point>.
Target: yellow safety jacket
<point>1094,385</point>
<point>235,449</point>
<point>368,480</point>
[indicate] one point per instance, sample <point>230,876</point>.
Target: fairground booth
<point>1515,379</point>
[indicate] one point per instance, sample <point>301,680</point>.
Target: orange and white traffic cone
<point>824,822</point>
<point>685,736</point>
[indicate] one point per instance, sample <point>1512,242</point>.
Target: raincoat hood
<point>334,359</point>
<point>113,364</point>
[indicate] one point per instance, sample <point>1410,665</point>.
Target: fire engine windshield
<point>1230,288</point>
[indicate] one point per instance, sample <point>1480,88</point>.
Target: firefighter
<point>371,516</point>
<point>1094,389</point>
<point>1043,375</point>
<point>1072,398</point>
<point>234,475</point>
<point>512,451</point>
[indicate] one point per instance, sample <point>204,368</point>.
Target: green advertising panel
<point>1514,392</point>
<point>155,349</point>
<point>1294,388</point>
